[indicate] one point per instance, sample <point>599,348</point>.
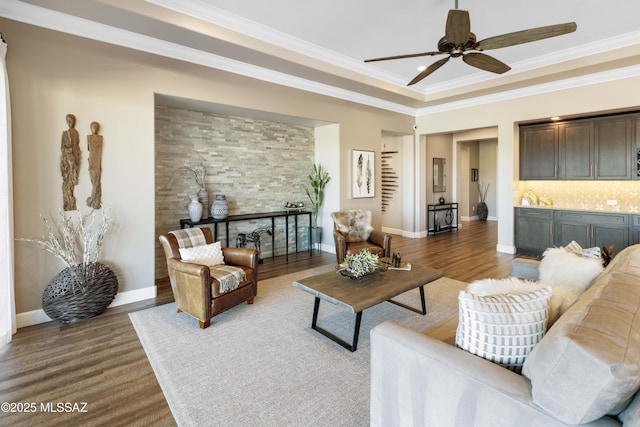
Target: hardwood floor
<point>100,361</point>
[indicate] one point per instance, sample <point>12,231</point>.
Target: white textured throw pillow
<point>210,254</point>
<point>502,320</point>
<point>569,273</point>
<point>568,269</point>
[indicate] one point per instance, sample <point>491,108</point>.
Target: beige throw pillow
<point>210,254</point>
<point>502,320</point>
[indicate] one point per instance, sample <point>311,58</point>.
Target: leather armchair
<point>378,242</point>
<point>196,292</point>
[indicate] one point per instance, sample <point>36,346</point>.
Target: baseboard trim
<point>35,317</point>
<point>506,249</point>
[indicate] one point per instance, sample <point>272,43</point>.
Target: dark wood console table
<point>447,213</point>
<point>187,223</point>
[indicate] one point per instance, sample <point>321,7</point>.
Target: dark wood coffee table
<point>358,295</point>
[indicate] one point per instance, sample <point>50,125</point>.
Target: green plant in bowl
<point>360,263</point>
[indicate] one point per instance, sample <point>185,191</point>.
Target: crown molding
<point>571,83</point>
<point>46,18</point>
<point>220,17</point>
<point>53,20</point>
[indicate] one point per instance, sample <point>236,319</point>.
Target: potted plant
<point>317,180</point>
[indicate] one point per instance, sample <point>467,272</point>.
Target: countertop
<point>596,208</point>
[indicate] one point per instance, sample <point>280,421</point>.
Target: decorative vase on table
<point>483,211</point>
<point>203,198</point>
<point>220,207</point>
<point>195,209</point>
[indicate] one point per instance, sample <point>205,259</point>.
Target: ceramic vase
<point>220,207</point>
<point>195,209</point>
<point>203,198</point>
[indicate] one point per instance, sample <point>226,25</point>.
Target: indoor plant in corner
<point>317,180</point>
<point>86,287</point>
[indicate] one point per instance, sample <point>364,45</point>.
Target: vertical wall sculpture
<point>94,143</point>
<point>70,163</point>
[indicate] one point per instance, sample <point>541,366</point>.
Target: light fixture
<point>422,68</point>
<point>555,118</point>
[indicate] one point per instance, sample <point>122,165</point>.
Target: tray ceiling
<point>320,46</point>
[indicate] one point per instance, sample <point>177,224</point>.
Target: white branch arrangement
<point>67,235</point>
<point>482,190</point>
<point>197,171</point>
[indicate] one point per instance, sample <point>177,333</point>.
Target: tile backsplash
<point>584,195</point>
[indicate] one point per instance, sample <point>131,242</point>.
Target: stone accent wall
<point>258,165</point>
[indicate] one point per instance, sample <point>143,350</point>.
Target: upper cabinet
<point>612,148</point>
<point>576,150</point>
<point>595,148</point>
<point>539,152</point>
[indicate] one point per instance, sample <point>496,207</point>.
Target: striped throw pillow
<point>503,327</point>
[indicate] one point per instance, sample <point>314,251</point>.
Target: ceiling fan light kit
<point>459,41</point>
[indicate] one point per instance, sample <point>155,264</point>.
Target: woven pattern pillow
<point>355,225</point>
<point>210,254</point>
<point>502,320</point>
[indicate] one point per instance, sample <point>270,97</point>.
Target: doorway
<point>478,166</point>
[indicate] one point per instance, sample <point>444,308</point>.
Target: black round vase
<point>79,292</point>
<point>482,211</point>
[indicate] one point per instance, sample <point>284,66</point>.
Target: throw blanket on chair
<point>189,237</point>
<point>228,276</point>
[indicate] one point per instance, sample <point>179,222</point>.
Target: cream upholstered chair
<point>195,289</point>
<point>352,232</point>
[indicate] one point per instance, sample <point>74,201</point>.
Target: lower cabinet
<point>591,229</point>
<point>539,229</point>
<point>635,229</point>
<point>533,230</point>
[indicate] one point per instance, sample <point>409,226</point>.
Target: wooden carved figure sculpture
<point>70,163</point>
<point>94,143</point>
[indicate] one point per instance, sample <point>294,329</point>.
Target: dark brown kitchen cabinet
<point>601,148</point>
<point>539,152</point>
<point>576,150</point>
<point>613,153</point>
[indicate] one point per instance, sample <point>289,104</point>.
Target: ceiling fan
<point>459,40</point>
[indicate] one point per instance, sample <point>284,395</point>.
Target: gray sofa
<point>585,370</point>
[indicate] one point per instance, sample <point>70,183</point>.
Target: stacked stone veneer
<point>258,165</point>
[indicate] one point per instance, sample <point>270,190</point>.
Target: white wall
<point>327,154</point>
<point>488,174</point>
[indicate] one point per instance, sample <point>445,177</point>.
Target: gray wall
<point>258,165</point>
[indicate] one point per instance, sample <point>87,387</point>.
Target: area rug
<point>263,365</point>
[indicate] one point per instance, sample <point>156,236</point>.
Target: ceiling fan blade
<point>411,55</point>
<point>526,36</point>
<point>458,27</point>
<point>485,62</point>
<point>430,69</point>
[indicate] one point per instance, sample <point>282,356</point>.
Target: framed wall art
<point>474,174</point>
<point>363,174</point>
